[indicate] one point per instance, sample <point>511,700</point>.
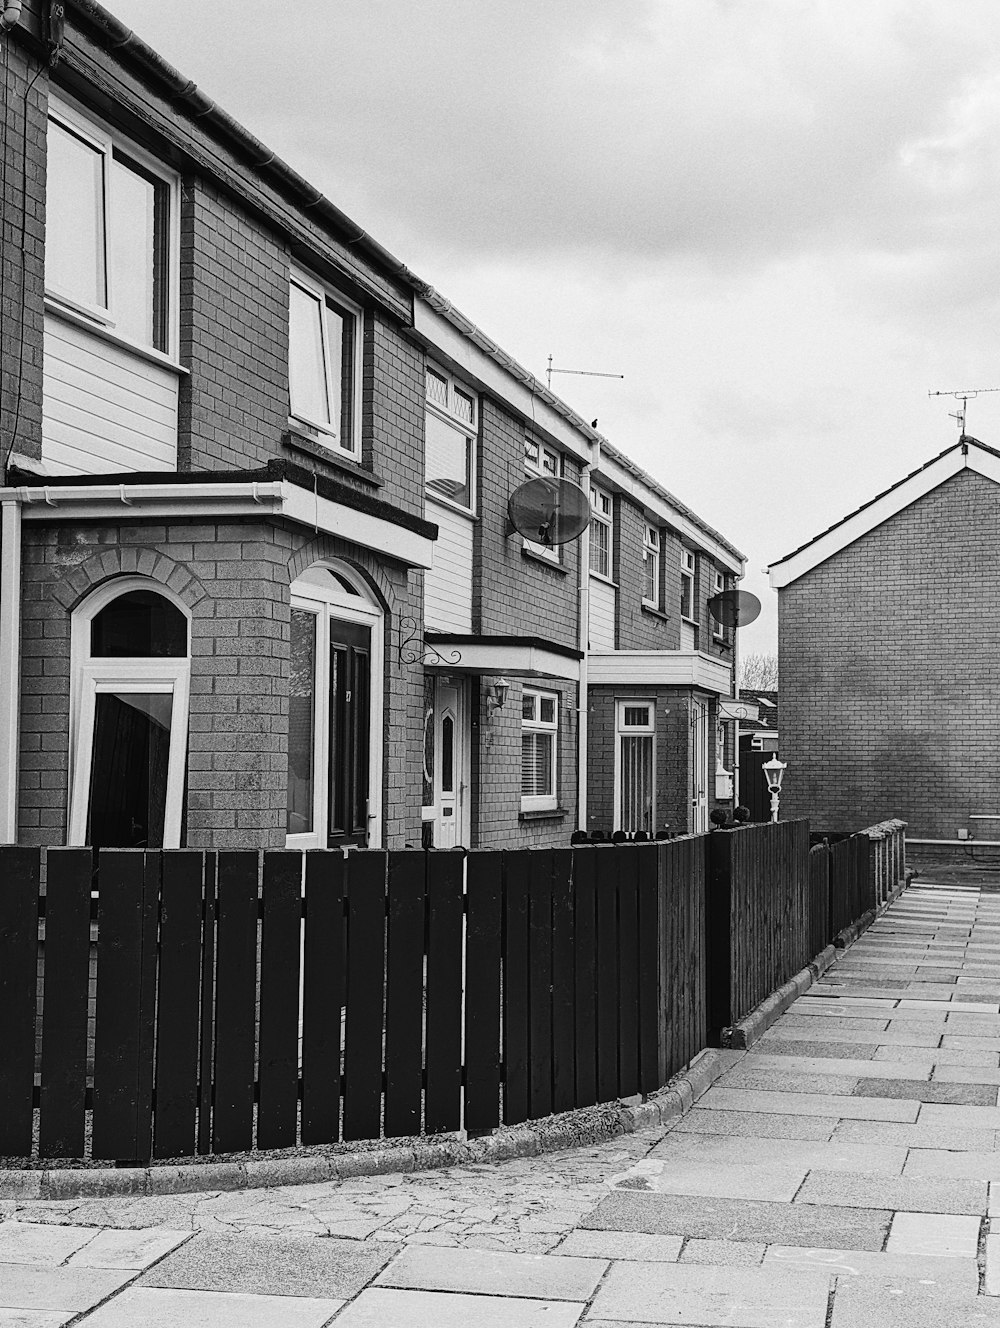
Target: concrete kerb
<point>589,1125</point>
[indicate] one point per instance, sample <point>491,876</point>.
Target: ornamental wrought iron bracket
<point>414,649</point>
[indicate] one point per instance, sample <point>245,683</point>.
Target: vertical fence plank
<point>19,884</point>
<point>443,1102</point>
<point>607,863</point>
<point>365,888</point>
<point>718,849</point>
<point>323,996</point>
<point>206,1054</point>
<point>646,966</point>
<point>563,1029</point>
<point>515,986</point>
<point>482,991</point>
<point>177,1011</point>
<point>126,973</point>
<point>628,977</point>
<point>404,993</point>
<point>585,974</point>
<point>235,1001</point>
<point>540,983</point>
<point>281,932</point>
<point>65,994</point>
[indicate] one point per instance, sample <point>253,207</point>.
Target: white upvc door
<point>699,766</point>
<point>451,742</point>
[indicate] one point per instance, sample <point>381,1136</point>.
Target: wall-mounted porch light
<point>774,771</point>
<point>496,697</point>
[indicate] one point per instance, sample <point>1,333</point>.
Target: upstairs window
<point>651,566</point>
<point>601,531</point>
<point>719,585</point>
<point>324,364</point>
<point>109,225</point>
<point>544,461</point>
<point>451,430</point>
<point>687,585</point>
<point>539,749</point>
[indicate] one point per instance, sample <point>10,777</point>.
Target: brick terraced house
<point>259,585</point>
<point>888,657</point>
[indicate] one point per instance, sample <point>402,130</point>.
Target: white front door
<point>451,821</point>
<point>699,767</point>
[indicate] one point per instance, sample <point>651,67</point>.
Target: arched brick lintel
<point>129,561</point>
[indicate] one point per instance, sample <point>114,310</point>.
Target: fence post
<point>718,939</point>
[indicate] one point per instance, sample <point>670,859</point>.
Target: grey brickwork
<point>888,661</point>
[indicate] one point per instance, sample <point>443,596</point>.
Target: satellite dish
<point>734,608</point>
<point>549,511</point>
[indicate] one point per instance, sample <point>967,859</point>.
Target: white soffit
<point>519,661</point>
<point>658,668</point>
<point>896,500</point>
<point>279,498</point>
<point>739,709</point>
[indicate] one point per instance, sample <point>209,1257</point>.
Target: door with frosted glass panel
<point>636,768</point>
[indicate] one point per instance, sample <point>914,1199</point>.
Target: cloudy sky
<point>776,218</point>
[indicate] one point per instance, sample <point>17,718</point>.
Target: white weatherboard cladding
<point>665,668</point>
<point>105,409</point>
<point>448,584</point>
<point>602,615</point>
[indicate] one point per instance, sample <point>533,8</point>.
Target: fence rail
<point>166,1003</point>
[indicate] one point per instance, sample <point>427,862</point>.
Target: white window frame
<point>548,801</point>
<point>109,143</point>
<point>602,516</point>
<point>554,470</point>
<point>689,575</point>
<point>447,413</point>
<point>652,544</point>
<point>327,433</point>
<point>311,593</point>
<point>718,628</point>
<point>623,730</point>
<point>90,677</point>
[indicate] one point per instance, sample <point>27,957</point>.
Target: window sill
<point>543,561</point>
<point>103,333</point>
<point>653,612</point>
<point>691,622</point>
<point>302,443</point>
<point>544,814</point>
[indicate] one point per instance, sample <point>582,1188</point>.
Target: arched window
<point>131,678</point>
<point>334,711</point>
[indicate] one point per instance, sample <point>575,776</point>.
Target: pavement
<point>841,1173</point>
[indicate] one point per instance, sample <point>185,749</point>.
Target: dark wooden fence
<point>161,1004</point>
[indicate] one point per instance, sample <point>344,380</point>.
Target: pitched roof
<point>967,454</point>
<point>767,702</point>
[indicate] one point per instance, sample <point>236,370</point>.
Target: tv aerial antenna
<point>965,395</point>
<point>580,373</point>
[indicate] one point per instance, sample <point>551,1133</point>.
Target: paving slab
<point>621,1245</point>
<point>866,1303</point>
<point>701,1120</point>
<point>35,1318</point>
<point>832,1067</point>
<point>967,1074</point>
<point>150,1307</point>
<point>781,1032</point>
<point>948,1163</point>
<point>758,1178</point>
<point>991,1280</point>
<point>813,1104</point>
<point>919,1090</point>
<point>970,1042</point>
<point>722,1152</point>
<point>387,1307</point>
<point>912,1193</point>
<point>982,1118</point>
<point>938,1056</point>
<point>773,1044</point>
<point>786,1081</point>
<point>819,1024</point>
<point>270,1265</point>
<point>32,1287</point>
<point>491,1273</point>
<point>729,1253</point>
<point>128,1249</point>
<point>740,1219</point>
<point>678,1294</point>
<point>934,1234</point>
<point>40,1245</point>
<point>920,1135</point>
<point>924,1269</point>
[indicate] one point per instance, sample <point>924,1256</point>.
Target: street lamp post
<point>774,771</point>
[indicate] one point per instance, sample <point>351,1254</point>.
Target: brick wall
<point>496,782</point>
<point>513,593</point>
<point>234,577</point>
<point>888,658</point>
<point>639,628</point>
<point>22,262</point>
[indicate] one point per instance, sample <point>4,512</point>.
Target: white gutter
<point>71,502</point>
<point>10,662</point>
